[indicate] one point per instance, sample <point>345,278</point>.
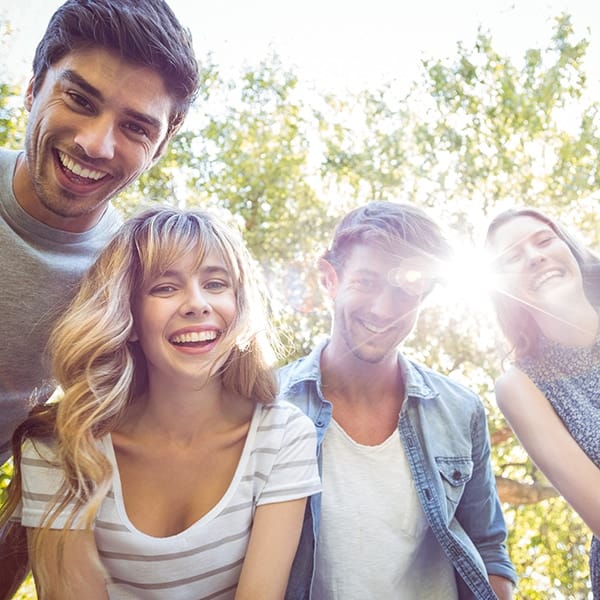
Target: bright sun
<point>468,278</point>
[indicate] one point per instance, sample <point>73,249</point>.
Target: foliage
<point>475,133</point>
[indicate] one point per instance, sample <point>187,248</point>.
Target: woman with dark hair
<point>547,300</point>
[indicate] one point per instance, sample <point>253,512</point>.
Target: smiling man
<point>112,82</point>
<point>409,507</point>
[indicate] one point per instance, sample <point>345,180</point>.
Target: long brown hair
<point>515,321</point>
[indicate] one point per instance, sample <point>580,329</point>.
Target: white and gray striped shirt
<point>278,463</point>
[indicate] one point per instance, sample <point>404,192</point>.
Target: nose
<point>533,255</point>
<point>195,303</point>
<point>386,305</point>
<point>96,137</point>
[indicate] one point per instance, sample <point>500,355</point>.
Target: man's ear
<point>29,94</point>
<point>328,277</point>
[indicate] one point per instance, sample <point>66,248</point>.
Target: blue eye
<point>216,285</point>
<point>165,288</point>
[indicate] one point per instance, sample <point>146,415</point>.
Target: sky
<point>339,45</point>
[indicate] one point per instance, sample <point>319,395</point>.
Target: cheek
<point>138,161</point>
<point>226,307</point>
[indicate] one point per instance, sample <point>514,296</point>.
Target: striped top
<point>278,463</point>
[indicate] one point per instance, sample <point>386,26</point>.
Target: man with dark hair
<point>112,82</point>
<point>409,507</point>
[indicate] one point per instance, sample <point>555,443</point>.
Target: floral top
<point>569,377</point>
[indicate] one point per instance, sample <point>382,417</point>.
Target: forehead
<point>188,260</point>
<point>365,257</point>
<point>517,230</point>
<point>121,83</point>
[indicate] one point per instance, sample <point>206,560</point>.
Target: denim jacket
<point>444,432</point>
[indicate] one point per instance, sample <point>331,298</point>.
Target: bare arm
<point>273,543</point>
<point>81,576</point>
<point>550,445</point>
<point>502,587</point>
<point>14,563</point>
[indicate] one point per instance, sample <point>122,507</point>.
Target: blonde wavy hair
<point>99,369</point>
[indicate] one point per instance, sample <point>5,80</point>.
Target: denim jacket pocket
<point>455,472</point>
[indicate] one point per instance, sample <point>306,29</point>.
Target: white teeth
<point>76,169</point>
<point>194,336</point>
<point>373,329</point>
<point>539,281</point>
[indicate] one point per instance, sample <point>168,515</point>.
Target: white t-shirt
<point>374,540</point>
<point>278,463</point>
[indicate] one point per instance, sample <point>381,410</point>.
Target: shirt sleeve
<point>294,473</point>
<point>41,479</point>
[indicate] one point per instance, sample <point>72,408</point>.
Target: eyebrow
<point>210,270</point>
<point>205,270</point>
<point>86,86</point>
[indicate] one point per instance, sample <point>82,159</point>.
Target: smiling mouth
<point>541,279</point>
<point>77,172</point>
<point>193,339</point>
<point>373,328</point>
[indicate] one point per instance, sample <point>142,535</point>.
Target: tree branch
<point>518,493</point>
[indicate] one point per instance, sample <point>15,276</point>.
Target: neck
<point>577,326</point>
<point>358,381</point>
<point>183,414</point>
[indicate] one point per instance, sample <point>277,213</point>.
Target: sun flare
<point>468,278</point>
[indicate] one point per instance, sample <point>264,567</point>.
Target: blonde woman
<point>547,300</point>
<point>166,470</point>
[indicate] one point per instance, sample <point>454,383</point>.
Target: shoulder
<point>39,452</point>
<point>510,384</point>
<point>425,381</point>
<point>303,370</point>
<point>517,395</point>
<point>510,378</point>
<point>8,157</point>
<point>284,416</point>
<point>295,372</point>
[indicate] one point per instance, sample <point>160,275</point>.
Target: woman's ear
<point>133,336</point>
<point>328,277</point>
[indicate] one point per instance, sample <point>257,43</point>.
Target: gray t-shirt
<point>39,268</point>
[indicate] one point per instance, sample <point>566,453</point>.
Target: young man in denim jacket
<point>409,507</point>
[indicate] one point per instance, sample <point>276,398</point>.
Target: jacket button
<point>456,475</point>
